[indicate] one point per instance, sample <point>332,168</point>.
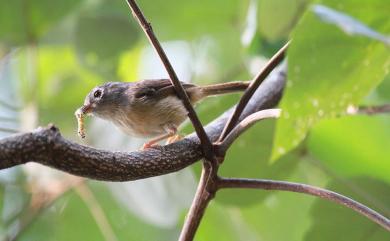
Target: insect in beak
<point>85,109</point>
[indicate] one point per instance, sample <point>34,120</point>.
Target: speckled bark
<point>48,147</point>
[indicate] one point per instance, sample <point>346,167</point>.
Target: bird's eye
<point>97,93</point>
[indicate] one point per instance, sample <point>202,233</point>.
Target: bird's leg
<point>174,138</point>
<point>171,132</point>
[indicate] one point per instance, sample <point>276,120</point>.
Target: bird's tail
<point>224,88</point>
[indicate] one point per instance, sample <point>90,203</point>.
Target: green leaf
<point>351,146</point>
<point>347,23</point>
<point>172,19</point>
<point>276,18</point>
<point>102,34</point>
<point>383,89</point>
<point>329,70</point>
<point>23,21</point>
<point>332,221</point>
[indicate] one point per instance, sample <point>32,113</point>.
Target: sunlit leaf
<point>329,71</point>
<point>347,23</point>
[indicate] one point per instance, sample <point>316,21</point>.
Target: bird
<point>149,108</point>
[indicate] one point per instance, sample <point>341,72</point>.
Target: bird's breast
<point>150,119</point>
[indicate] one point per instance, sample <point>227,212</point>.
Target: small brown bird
<point>148,108</point>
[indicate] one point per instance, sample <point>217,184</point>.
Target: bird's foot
<point>149,145</point>
<point>174,138</point>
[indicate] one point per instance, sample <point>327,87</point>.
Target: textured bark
<point>48,147</point>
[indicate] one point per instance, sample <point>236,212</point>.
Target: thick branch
<point>146,26</point>
<point>306,189</point>
<point>48,147</point>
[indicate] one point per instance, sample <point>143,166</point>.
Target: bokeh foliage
<point>53,52</point>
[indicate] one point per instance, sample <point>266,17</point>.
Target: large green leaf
<point>335,222</point>
<point>276,18</point>
<point>330,70</point>
<point>350,146</point>
<point>24,21</point>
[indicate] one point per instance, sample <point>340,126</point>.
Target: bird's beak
<point>86,109</point>
<point>83,110</point>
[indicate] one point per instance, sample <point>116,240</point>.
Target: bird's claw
<point>149,145</point>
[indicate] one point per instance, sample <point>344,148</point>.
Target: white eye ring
<point>97,93</point>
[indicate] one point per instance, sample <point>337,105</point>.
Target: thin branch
<point>204,194</point>
<point>207,184</point>
<point>46,146</point>
<point>272,63</point>
<point>147,28</point>
<point>246,124</point>
<point>306,189</point>
<point>369,110</point>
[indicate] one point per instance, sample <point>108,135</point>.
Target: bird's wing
<point>157,87</point>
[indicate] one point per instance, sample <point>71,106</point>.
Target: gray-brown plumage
<point>149,108</point>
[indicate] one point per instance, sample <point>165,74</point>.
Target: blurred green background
<point>53,52</point>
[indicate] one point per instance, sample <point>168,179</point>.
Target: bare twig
<point>369,110</point>
<point>272,63</point>
<point>204,194</point>
<point>306,189</point>
<point>147,28</point>
<point>245,124</point>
